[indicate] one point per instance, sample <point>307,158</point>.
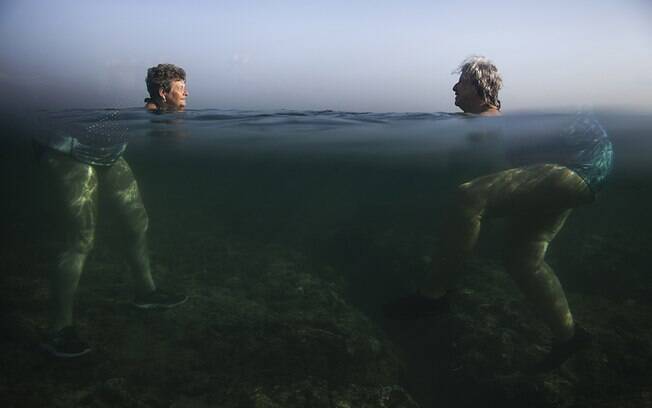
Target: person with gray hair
<point>476,91</point>
<point>536,198</point>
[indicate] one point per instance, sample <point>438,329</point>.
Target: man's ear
<point>161,93</point>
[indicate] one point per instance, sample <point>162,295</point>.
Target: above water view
<point>325,259</point>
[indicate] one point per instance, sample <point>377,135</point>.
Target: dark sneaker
<point>416,306</point>
<point>159,299</point>
<point>65,343</point>
<point>560,352</point>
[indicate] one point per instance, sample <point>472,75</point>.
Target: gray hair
<point>484,75</point>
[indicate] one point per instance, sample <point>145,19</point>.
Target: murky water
<point>358,197</point>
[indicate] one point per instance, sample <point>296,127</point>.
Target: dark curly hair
<point>162,76</point>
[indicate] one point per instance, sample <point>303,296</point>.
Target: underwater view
<point>289,243</point>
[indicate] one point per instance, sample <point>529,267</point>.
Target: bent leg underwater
<point>524,261</point>
<point>123,195</point>
<point>76,185</point>
<point>539,199</point>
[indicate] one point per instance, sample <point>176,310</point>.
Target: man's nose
<point>455,87</point>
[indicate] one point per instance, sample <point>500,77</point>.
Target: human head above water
<point>166,84</point>
<point>478,86</point>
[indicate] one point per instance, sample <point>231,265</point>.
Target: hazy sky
<point>359,55</point>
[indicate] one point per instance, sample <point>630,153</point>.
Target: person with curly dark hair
<point>82,161</point>
<point>166,84</point>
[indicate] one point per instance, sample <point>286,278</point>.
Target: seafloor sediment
<point>264,329</point>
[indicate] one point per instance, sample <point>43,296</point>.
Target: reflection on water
<point>366,135</point>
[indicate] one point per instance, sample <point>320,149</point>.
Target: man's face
<point>176,98</point>
<point>466,95</point>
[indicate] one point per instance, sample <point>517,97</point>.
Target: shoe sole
<point>60,354</point>
<point>158,305</point>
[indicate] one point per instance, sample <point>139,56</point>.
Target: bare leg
<point>76,184</point>
<point>463,229</point>
<point>122,190</point>
<point>545,188</point>
<point>530,237</point>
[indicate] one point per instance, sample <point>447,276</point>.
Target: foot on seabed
<point>562,351</point>
<point>65,343</point>
<point>159,299</point>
